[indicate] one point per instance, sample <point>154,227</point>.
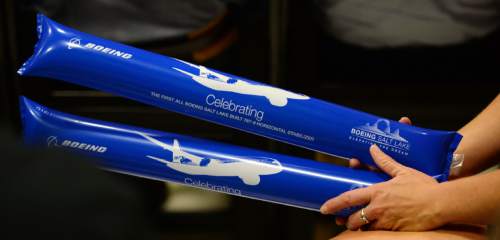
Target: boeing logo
<point>53,142</point>
<point>77,43</point>
<point>381,134</point>
<point>74,42</point>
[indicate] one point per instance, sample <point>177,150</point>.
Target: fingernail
<point>323,209</point>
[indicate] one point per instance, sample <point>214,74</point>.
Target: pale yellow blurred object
<point>184,199</point>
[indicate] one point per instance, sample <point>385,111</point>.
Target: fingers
<point>352,198</point>
<point>372,168</point>
<point>354,163</point>
<point>405,120</point>
<point>340,221</point>
<point>385,162</point>
<point>355,222</point>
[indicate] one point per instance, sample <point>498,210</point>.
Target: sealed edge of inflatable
<point>41,35</point>
<point>450,158</point>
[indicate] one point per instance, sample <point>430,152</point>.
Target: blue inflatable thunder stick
<point>198,163</point>
<point>69,55</point>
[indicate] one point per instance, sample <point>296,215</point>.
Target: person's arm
<point>414,201</point>
<point>480,144</point>
<point>474,199</point>
<point>452,232</point>
<point>468,200</point>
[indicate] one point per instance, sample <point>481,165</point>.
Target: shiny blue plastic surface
<point>198,163</point>
<point>69,55</point>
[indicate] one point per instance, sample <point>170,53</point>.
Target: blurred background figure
<point>397,23</point>
<point>132,20</point>
<point>410,41</point>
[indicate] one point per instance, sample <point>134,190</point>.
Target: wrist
<point>440,202</point>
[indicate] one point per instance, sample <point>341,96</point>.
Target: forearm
<point>480,144</point>
<point>473,200</point>
<point>450,232</point>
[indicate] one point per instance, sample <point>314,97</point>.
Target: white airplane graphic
<point>216,81</point>
<point>248,170</point>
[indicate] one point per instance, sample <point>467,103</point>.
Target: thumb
<point>405,120</point>
<point>385,162</point>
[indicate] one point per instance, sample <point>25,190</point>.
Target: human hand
<point>407,202</point>
<point>355,163</point>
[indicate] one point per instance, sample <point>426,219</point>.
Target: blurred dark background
<point>303,46</point>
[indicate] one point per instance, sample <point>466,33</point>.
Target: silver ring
<point>363,216</point>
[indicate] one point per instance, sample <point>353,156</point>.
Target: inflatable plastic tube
<point>69,55</point>
<point>198,163</point>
